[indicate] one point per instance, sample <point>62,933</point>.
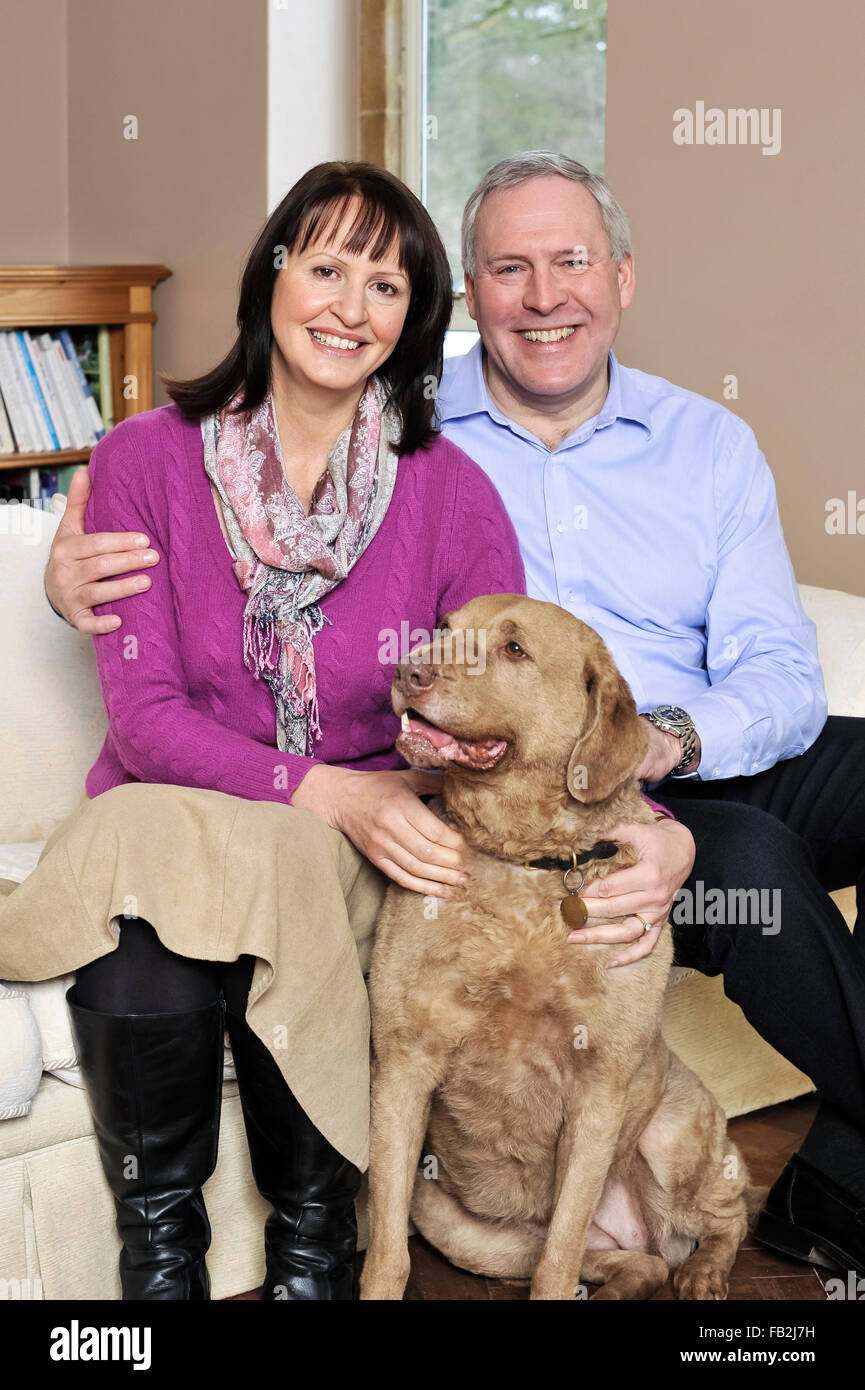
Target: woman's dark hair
<point>389,212</point>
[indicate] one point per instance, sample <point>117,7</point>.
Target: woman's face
<point>336,316</point>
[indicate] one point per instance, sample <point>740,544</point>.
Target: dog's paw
<point>701,1282</point>
<point>383,1281</point>
<point>381,1291</point>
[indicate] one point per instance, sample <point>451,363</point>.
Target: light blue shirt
<point>656,522</point>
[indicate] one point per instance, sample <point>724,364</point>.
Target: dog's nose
<point>418,675</point>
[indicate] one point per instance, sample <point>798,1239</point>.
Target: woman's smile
<point>331,341</point>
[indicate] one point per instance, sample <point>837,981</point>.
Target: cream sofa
<point>57,1236</point>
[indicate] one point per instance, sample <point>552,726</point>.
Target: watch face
<point>672,714</point>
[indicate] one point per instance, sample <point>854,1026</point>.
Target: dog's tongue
<point>424,745</point>
<point>437,737</point>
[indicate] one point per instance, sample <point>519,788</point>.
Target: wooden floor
<point>767,1138</point>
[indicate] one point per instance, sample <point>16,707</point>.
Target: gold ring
<point>647,926</point>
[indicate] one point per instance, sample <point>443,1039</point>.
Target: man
<point>650,513</point>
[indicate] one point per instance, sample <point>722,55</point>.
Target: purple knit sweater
<point>182,707</point>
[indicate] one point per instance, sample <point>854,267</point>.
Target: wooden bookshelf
<point>117,297</point>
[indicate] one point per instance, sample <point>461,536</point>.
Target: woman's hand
<point>383,816</point>
<point>666,851</point>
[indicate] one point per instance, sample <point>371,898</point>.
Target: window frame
<point>392,85</point>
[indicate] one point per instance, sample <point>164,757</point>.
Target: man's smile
<point>548,335</point>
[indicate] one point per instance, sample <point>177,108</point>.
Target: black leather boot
<point>310,1237</point>
<point>154,1083</point>
<point>810,1217</point>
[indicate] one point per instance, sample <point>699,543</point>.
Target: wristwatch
<point>678,722</point>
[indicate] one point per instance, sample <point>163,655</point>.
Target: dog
<point>563,1142</point>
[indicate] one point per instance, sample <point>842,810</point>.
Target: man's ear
<point>627,280</point>
<point>469,283</point>
<point>613,741</point>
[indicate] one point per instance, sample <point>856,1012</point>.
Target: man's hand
<point>666,851</point>
<point>663,754</point>
<point>80,565</point>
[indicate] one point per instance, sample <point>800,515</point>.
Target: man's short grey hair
<point>533,164</point>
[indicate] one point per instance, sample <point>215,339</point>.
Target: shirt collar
<point>466,394</point>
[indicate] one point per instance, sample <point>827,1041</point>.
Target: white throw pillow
<point>20,1054</point>
<point>47,1008</point>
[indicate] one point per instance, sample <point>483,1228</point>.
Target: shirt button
<point>754,767</point>
<point>560,526</point>
<point>573,595</point>
<point>716,772</point>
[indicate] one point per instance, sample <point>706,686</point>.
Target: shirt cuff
<point>657,807</point>
<point>724,744</point>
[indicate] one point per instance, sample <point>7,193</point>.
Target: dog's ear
<point>614,739</point>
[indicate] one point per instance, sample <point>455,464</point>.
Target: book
<point>91,408</point>
<point>35,402</point>
<point>68,378</point>
<point>65,474</point>
<point>47,482</point>
<point>11,487</point>
<point>106,383</point>
<point>33,357</point>
<point>86,344</point>
<point>7,438</point>
<point>25,436</point>
<point>57,404</point>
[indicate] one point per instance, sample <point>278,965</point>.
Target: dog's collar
<point>602,849</point>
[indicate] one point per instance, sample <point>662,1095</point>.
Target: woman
<point>247,806</point>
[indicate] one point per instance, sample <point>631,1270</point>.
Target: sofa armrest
<point>840,620</point>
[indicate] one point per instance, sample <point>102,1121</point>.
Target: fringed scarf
<point>286,561</point>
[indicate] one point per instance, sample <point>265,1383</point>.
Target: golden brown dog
<point>563,1142</point>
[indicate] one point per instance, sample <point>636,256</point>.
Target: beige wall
<point>226,122</point>
<point>33,177</point>
<point>744,268</point>
<point>750,264</point>
<point>191,190</point>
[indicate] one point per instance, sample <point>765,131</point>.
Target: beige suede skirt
<point>218,877</point>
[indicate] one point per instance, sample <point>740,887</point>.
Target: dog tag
<point>574,911</point>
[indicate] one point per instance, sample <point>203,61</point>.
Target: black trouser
<point>793,833</point>
<point>143,977</point>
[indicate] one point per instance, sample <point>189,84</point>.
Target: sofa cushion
<point>59,1114</point>
<point>46,1001</point>
<point>17,861</point>
<point>48,1005</point>
<point>20,1053</point>
<point>53,720</point>
<point>840,620</point>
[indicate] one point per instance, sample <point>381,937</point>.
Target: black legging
<point>143,976</point>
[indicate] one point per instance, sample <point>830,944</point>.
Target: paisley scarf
<point>286,561</point>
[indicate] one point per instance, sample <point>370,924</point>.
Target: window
<point>501,78</point>
<point>480,80</point>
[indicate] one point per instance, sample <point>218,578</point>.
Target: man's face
<point>543,265</point>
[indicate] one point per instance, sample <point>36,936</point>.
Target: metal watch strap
<point>689,747</point>
<point>687,739</point>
